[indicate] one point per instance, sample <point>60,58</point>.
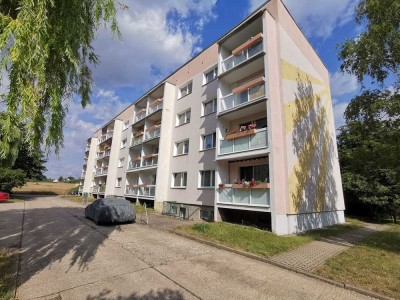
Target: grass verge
<point>258,241</point>
<point>77,199</point>
<point>374,264</point>
<point>8,261</point>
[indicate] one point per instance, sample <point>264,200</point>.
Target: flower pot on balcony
<point>240,134</point>
<point>262,185</point>
<point>138,134</point>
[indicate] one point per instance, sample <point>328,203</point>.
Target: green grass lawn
<point>8,261</point>
<point>374,264</point>
<point>258,241</point>
<point>77,199</point>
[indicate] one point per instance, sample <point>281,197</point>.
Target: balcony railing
<point>83,175</point>
<point>153,134</point>
<point>140,116</point>
<point>134,165</point>
<point>80,189</point>
<point>105,137</point>
<point>156,106</point>
<point>100,172</point>
<point>136,141</point>
<point>251,94</point>
<point>107,153</point>
<point>87,148</point>
<point>246,143</point>
<point>100,155</point>
<point>244,196</point>
<point>141,190</point>
<point>248,53</point>
<point>150,161</point>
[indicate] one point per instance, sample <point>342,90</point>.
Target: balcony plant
<point>243,131</point>
<point>221,185</point>
<point>243,184</point>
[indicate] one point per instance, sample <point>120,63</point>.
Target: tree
<point>10,178</point>
<point>60,179</point>
<point>369,151</point>
<point>32,162</point>
<point>376,51</point>
<point>47,53</point>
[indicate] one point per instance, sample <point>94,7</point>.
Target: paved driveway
<point>64,255</point>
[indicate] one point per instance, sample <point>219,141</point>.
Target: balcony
<point>87,148</point>
<point>258,140</point>
<point>140,115</point>
<point>134,164</point>
<point>83,175</point>
<point>80,190</point>
<point>150,160</point>
<point>141,190</point>
<point>100,155</point>
<point>242,196</point>
<point>235,60</point>
<point>155,105</point>
<point>102,172</point>
<point>136,141</point>
<point>153,132</point>
<point>106,137</point>
<point>232,100</point>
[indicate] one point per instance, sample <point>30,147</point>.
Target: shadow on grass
<point>152,295</point>
<point>387,240</point>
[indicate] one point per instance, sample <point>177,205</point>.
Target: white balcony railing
<point>87,148</point>
<point>83,175</point>
<point>136,140</point>
<point>80,190</point>
<point>244,196</point>
<point>141,190</point>
<point>100,172</point>
<point>156,107</point>
<point>134,165</point>
<point>250,142</point>
<point>233,100</point>
<point>140,116</point>
<point>248,53</point>
<point>150,161</point>
<point>153,134</point>
<point>105,137</point>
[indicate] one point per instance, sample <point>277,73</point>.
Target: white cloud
<point>317,18</point>
<point>77,131</point>
<point>158,36</point>
<point>343,83</point>
<point>338,111</point>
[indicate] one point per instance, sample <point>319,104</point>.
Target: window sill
<point>178,155</point>
<point>184,96</point>
<point>204,84</point>
<point>206,188</point>
<point>178,187</point>
<point>208,114</point>
<point>204,150</point>
<point>176,126</point>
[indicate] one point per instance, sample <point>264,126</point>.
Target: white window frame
<point>186,89</point>
<point>212,179</point>
<point>118,182</point>
<point>214,107</point>
<point>183,147</point>
<point>123,143</point>
<point>186,114</point>
<point>213,71</point>
<point>126,125</point>
<point>183,178</point>
<point>121,162</point>
<point>213,141</point>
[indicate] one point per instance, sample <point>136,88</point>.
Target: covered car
<point>110,210</point>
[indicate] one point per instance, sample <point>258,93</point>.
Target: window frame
<point>121,162</point>
<point>212,179</point>
<point>183,179</point>
<point>213,70</point>
<point>214,141</point>
<point>187,120</point>
<point>118,182</point>
<point>124,143</point>
<point>126,125</point>
<point>176,147</point>
<point>214,103</point>
<point>189,89</point>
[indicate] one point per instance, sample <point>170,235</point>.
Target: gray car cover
<point>111,210</point>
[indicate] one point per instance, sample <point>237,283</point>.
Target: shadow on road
<point>152,295</point>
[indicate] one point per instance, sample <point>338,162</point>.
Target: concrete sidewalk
<point>313,255</point>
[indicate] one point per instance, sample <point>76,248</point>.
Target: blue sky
<point>160,35</point>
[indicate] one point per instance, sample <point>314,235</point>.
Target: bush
<point>10,179</point>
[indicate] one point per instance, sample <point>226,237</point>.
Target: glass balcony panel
<point>250,94</point>
<point>244,196</point>
<point>259,140</point>
<point>241,196</point>
<point>246,54</point>
<point>241,144</point>
<point>226,146</point>
<point>259,196</point>
<point>226,195</point>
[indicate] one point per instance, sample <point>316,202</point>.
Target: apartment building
<point>243,133</point>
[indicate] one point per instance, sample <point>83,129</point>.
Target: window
<point>209,141</point>
<point>210,107</point>
<point>119,182</point>
<point>126,125</point>
<point>210,75</point>
<point>258,172</point>
<point>123,143</point>
<point>186,90</point>
<point>207,178</point>
<point>182,148</point>
<point>183,118</point>
<point>179,179</point>
<point>121,162</point>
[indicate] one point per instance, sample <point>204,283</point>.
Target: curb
<point>265,260</point>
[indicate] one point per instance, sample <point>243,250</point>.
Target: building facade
<point>243,133</point>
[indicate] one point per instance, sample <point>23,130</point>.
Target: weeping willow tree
<point>46,53</point>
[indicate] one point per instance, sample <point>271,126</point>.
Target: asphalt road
<point>65,256</point>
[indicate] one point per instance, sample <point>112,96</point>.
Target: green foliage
<point>376,52</point>
<point>202,227</point>
<point>369,151</point>
<point>47,52</point>
<point>10,178</point>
